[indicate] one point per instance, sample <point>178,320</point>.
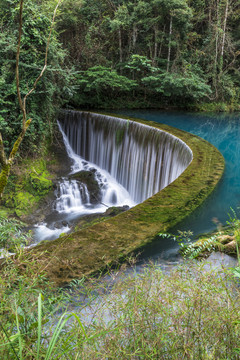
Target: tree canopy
<point>118,53</point>
<point>191,48</point>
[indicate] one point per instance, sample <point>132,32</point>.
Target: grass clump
<point>29,306</point>
<point>12,235</point>
<point>190,313</point>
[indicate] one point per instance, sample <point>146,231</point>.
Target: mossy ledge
<point>88,250</point>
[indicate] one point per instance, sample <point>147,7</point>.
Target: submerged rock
<point>219,260</point>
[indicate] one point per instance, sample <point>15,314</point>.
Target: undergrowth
<point>191,313</point>
<point>12,235</point>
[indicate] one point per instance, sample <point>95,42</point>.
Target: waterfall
<point>129,162</point>
<point>71,195</point>
<point>142,159</point>
<point>74,196</point>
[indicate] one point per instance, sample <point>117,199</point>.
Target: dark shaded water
<point>223,131</point>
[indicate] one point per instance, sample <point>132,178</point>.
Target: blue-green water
<point>223,131</point>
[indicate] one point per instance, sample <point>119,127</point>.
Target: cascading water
<point>128,161</point>
<point>74,194</point>
<point>142,159</point>
<point>74,200</point>
<point>71,195</point>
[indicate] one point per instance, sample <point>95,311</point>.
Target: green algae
<point>93,248</point>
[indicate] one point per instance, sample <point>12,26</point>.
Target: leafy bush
<point>100,83</point>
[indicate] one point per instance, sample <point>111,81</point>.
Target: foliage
<point>24,313</point>
<point>180,53</point>
<point>190,249</point>
<point>11,234</point>
<point>44,103</point>
<point>190,313</point>
<point>99,83</point>
<point>188,86</point>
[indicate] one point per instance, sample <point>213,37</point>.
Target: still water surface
<point>223,131</point>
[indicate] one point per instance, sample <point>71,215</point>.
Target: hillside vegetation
<point>114,53</point>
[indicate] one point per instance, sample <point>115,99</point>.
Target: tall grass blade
<point>9,342</point>
<point>61,323</point>
<point>39,323</point>
<point>19,336</point>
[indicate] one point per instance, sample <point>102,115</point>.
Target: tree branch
<point>18,142</point>
<point>17,63</point>
<point>3,159</point>
<point>46,56</point>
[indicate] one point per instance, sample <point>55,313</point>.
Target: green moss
<point>27,186</point>
<point>40,184</point>
<point>24,202</point>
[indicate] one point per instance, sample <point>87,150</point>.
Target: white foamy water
<point>73,198</point>
<point>141,158</point>
<point>129,161</point>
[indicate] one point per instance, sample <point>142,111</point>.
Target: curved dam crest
<point>89,250</point>
<point>143,159</point>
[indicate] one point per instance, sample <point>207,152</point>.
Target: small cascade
<point>71,195</point>
<point>74,199</point>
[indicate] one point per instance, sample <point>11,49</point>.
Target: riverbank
<point>89,250</point>
<point>225,239</point>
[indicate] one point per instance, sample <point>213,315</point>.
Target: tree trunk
<point>4,174</point>
<point>215,78</point>
<point>120,45</point>
<point>161,42</point>
<point>155,45</point>
<point>224,35</point>
<point>7,164</point>
<point>134,36</point>
<point>169,44</point>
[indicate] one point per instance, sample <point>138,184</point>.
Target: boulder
<point>115,210</point>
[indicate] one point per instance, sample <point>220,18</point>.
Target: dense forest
<point>113,53</point>
<point>153,53</point>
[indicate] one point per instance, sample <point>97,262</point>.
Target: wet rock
<point>230,248</point>
<point>88,178</point>
<point>219,260</point>
<point>115,210</point>
<point>93,170</point>
<point>60,224</point>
